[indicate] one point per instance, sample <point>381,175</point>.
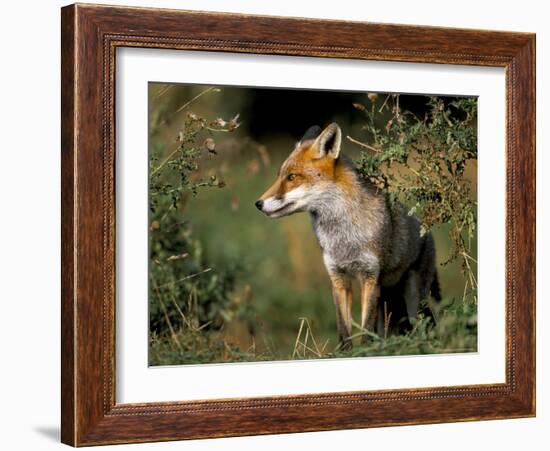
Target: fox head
<point>305,176</point>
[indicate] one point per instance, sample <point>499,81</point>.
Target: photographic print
<point>291,224</point>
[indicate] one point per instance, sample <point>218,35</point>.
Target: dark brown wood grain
<point>90,36</point>
<point>68,400</point>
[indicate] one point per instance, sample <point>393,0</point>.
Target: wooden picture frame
<point>90,36</point>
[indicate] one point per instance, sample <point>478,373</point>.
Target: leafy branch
<point>422,162</point>
<point>185,288</point>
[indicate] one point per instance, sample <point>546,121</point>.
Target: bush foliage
<point>184,290</point>
<point>422,162</point>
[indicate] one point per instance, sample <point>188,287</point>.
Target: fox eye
<point>290,177</point>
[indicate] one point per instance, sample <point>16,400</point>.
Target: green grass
<point>455,331</point>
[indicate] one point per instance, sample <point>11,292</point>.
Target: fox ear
<point>329,141</point>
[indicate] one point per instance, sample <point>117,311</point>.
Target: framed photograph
<point>279,225</point>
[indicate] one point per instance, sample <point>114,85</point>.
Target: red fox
<point>361,234</point>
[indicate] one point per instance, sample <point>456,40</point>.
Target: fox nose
<point>259,204</point>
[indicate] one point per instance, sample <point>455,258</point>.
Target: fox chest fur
<point>361,235</point>
<point>348,237</point>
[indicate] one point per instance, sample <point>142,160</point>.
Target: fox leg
<point>342,295</point>
<point>349,301</point>
<point>370,292</point>
<point>412,294</point>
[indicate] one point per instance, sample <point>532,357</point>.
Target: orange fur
<point>308,168</point>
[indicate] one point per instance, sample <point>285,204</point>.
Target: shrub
<point>184,289</point>
<point>422,162</point>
